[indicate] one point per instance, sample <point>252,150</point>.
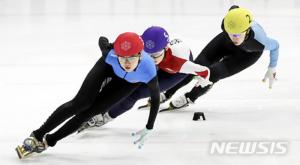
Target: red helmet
<point>128,44</point>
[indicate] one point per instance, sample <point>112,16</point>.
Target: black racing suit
<point>92,99</point>
<point>224,59</point>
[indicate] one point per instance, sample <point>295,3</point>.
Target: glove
<point>142,137</point>
<point>202,81</point>
<point>271,75</point>
<point>104,45</point>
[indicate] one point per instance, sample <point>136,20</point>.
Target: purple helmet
<point>155,39</point>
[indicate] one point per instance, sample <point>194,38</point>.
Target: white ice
<point>48,46</point>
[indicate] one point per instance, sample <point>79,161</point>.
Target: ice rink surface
<point>48,46</point>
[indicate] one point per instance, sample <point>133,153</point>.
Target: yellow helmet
<point>237,20</point>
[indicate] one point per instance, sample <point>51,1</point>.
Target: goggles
<point>129,59</point>
<point>238,35</point>
<point>157,54</point>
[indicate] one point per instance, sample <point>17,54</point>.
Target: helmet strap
<point>247,33</point>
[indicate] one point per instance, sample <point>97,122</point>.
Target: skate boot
<point>96,121</point>
<point>31,145</point>
<point>178,103</point>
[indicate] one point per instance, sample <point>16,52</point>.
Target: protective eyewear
<point>129,59</point>
<point>238,35</point>
<point>157,54</point>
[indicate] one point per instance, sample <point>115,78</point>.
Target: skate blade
<point>143,106</point>
<point>171,108</point>
<point>84,129</point>
<point>80,131</point>
<point>18,150</point>
<point>166,109</point>
<point>22,153</point>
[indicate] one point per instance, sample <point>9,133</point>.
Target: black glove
<point>104,45</point>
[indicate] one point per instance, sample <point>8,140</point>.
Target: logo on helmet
<point>231,25</point>
<point>248,16</point>
<point>166,35</point>
<point>125,45</point>
<point>150,44</point>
